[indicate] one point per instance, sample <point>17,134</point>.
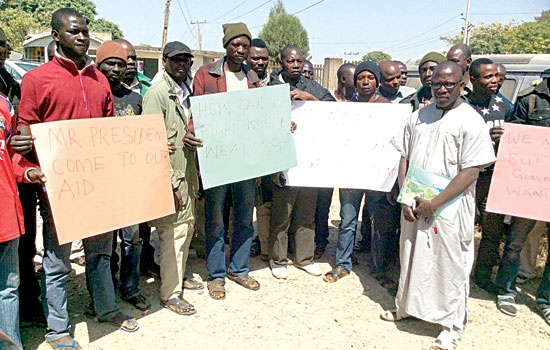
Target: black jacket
<point>304,84</point>
<point>539,99</point>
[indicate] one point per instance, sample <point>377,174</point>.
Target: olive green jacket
<point>161,98</point>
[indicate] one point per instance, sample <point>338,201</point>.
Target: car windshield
<point>26,66</point>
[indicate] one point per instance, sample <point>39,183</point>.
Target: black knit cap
<point>367,66</point>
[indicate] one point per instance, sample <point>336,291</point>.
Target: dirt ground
<point>302,312</point>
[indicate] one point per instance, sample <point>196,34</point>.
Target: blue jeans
<point>350,203</point>
<point>509,265</point>
<point>9,296</point>
<point>322,209</point>
<point>543,293</point>
<point>243,194</point>
<point>130,251</point>
<point>57,269</point>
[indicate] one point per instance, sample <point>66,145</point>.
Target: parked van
<point>522,71</point>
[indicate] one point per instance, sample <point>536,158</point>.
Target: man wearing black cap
<point>228,74</point>
<point>423,96</point>
<point>170,97</point>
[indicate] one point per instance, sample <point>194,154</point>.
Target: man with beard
<point>423,96</point>
<point>292,206</point>
<point>445,138</point>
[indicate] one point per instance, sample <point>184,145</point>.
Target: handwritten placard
<point>347,145</point>
<point>245,134</point>
<point>520,185</point>
<point>104,173</point>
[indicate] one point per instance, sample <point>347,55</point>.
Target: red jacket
<point>11,214</point>
<point>57,90</point>
<point>210,79</point>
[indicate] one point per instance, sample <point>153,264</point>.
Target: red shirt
<point>57,90</point>
<point>11,214</point>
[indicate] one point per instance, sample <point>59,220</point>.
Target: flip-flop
<point>65,342</point>
<point>124,322</point>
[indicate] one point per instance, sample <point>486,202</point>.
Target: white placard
<point>347,145</point>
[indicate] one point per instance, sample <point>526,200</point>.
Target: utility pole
<point>199,37</point>
<point>165,28</point>
<point>466,39</point>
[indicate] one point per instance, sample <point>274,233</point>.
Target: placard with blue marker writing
<point>245,134</point>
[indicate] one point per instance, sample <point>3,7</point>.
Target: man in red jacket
<point>228,74</point>
<point>69,87</point>
<point>11,222</point>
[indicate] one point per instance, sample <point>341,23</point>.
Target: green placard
<point>246,134</point>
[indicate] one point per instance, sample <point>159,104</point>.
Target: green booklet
<point>424,184</point>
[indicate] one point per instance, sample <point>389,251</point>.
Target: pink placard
<point>521,180</point>
<point>104,173</point>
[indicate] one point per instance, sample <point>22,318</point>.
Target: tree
<point>15,24</point>
<point>283,29</point>
<point>376,57</point>
<point>103,25</point>
<point>511,37</point>
<point>40,12</point>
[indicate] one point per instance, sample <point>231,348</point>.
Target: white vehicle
<point>17,69</point>
<point>521,71</point>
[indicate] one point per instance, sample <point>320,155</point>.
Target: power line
<point>187,8</point>
<point>228,12</point>
<point>423,33</point>
<point>424,41</point>
<point>505,13</point>
<point>310,6</point>
<point>254,9</point>
<point>186,20</point>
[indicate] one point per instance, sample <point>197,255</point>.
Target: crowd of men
<point>454,130</point>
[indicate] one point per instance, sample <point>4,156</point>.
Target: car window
<point>13,73</point>
<point>509,87</point>
<point>26,66</point>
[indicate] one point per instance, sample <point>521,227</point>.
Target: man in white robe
<point>447,138</point>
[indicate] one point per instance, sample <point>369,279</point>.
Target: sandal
<point>507,305</point>
<point>446,340</point>
<point>65,343</point>
<point>391,316</point>
<point>545,314</point>
<point>138,301</point>
<point>216,289</point>
<point>192,284</point>
<point>124,322</point>
<point>179,306</point>
<point>335,275</point>
<point>245,281</point>
<point>439,344</point>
